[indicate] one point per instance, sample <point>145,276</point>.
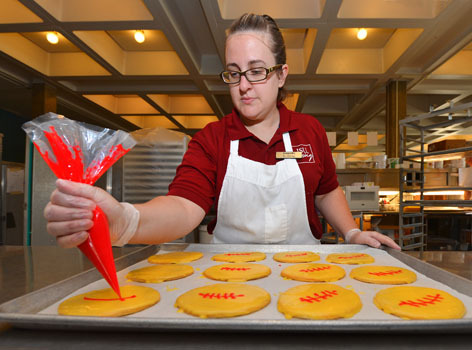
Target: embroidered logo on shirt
<point>307,153</point>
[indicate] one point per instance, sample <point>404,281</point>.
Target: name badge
<point>288,155</point>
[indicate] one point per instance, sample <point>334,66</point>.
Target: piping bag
<point>82,152</point>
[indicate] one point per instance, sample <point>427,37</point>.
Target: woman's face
<point>254,101</point>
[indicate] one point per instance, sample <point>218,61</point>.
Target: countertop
<point>26,269</point>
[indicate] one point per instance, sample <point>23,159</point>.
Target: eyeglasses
<point>252,75</point>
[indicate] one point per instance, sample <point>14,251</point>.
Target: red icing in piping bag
<point>68,166</point>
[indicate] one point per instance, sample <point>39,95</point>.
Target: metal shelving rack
<point>412,226</point>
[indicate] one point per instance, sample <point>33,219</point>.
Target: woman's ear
<point>282,73</point>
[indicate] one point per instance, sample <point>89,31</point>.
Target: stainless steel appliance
<point>361,197</point>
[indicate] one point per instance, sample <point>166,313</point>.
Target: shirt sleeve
<point>329,179</point>
<point>195,178</point>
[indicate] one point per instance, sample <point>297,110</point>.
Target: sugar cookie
<point>237,272</point>
<point>160,273</point>
<point>319,301</point>
<point>174,258</point>
<point>223,300</point>
<point>239,257</point>
<point>383,274</point>
<point>350,258</point>
<point>419,303</point>
<point>312,272</point>
<point>296,257</point>
<point>105,302</point>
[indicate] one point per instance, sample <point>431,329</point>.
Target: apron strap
<point>287,142</point>
<point>234,146</point>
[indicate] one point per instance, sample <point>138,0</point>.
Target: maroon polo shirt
<point>200,176</point>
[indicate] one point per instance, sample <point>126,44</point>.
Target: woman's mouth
<point>246,100</point>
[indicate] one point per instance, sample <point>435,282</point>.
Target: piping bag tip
<point>97,248</point>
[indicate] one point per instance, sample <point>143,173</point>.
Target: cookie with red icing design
<point>223,300</point>
<point>105,302</point>
<point>419,303</point>
<point>237,272</point>
<point>296,257</point>
<point>350,258</point>
<point>313,272</point>
<point>239,257</point>
<point>383,274</point>
<point>323,301</point>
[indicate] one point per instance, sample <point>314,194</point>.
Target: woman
<point>244,164</point>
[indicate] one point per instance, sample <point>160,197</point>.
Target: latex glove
<point>69,214</point>
<point>372,238</point>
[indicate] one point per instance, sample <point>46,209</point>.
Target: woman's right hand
<point>70,210</point>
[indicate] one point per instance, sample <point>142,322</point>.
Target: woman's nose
<point>244,84</point>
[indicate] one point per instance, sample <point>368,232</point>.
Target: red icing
<point>425,301</point>
<point>235,268</point>
<point>316,269</point>
<point>385,273</point>
<point>69,166</point>
<point>319,297</point>
<point>292,255</point>
<point>220,295</point>
<point>231,254</point>
<point>352,256</point>
<point>111,299</point>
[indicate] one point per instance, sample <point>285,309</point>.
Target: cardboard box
<point>446,144</point>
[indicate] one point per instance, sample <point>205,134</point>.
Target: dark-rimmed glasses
<point>252,75</point>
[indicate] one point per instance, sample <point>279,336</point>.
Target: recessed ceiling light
<point>52,38</point>
<point>361,33</point>
<point>139,36</point>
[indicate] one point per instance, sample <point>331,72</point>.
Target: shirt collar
<point>238,131</point>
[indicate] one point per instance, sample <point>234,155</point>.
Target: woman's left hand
<point>374,239</point>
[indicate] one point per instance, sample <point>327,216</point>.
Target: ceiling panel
<point>40,40</point>
<point>13,11</point>
<point>93,10</point>
<point>155,40</point>
<point>392,8</point>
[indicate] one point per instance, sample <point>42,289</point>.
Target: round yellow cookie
<point>239,257</point>
<point>223,300</point>
<point>237,272</point>
<point>311,272</point>
<point>105,302</point>
<point>296,257</point>
<point>160,273</point>
<point>419,303</point>
<point>319,301</point>
<point>383,275</point>
<point>174,258</point>
<point>350,258</point>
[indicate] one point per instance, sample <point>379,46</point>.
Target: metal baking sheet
<point>32,312</point>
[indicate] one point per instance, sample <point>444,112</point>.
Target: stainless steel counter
<point>456,262</point>
<point>25,269</point>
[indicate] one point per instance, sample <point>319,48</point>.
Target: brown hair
<point>266,24</point>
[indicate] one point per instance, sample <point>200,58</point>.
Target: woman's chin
<point>249,112</point>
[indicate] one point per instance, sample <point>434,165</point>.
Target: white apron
<point>262,203</point>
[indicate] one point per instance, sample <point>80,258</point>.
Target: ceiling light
<point>53,38</point>
<point>361,33</point>
<point>139,36</point>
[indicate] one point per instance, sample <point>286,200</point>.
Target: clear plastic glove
<point>372,238</point>
<point>69,214</point>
